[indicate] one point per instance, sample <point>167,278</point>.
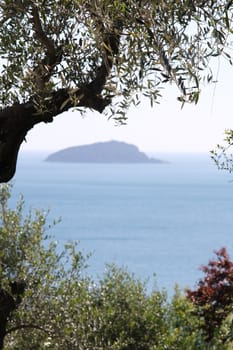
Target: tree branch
<point>7,306</point>
<point>27,326</point>
<point>17,120</point>
<point>53,55</point>
<point>40,34</point>
<point>110,49</point>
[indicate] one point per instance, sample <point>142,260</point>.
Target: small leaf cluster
<point>222,155</point>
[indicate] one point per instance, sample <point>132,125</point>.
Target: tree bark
<point>7,305</point>
<point>17,120</point>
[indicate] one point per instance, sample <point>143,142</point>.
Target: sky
<point>164,128</point>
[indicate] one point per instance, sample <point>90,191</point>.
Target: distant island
<point>102,152</point>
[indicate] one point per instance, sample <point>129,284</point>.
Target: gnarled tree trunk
<point>7,305</point>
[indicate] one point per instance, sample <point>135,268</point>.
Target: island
<point>102,152</point>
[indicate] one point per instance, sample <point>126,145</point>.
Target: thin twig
<point>30,326</point>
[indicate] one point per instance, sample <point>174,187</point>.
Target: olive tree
<point>101,55</point>
<point>35,276</point>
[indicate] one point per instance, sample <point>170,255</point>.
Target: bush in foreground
<point>214,297</point>
<point>47,302</point>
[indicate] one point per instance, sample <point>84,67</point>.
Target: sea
<point>159,221</point>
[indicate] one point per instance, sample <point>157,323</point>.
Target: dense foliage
<point>48,302</point>
<point>125,47</point>
<point>214,295</point>
<point>102,55</point>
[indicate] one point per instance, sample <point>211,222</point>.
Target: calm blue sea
<point>163,219</point>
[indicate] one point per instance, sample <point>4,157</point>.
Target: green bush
<point>55,306</point>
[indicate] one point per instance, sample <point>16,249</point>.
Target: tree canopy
<point>102,55</point>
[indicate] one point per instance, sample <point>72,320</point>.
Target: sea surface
<point>163,219</point>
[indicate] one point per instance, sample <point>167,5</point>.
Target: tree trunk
<point>16,121</point>
<point>7,305</point>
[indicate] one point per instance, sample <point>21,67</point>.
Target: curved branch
<point>40,34</point>
<point>53,55</point>
<point>27,326</point>
<point>17,120</point>
<point>110,47</point>
<point>7,306</point>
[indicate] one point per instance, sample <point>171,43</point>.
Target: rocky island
<point>102,152</point>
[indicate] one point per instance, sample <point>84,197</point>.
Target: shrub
<point>214,294</point>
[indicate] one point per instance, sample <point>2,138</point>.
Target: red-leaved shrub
<point>214,294</point>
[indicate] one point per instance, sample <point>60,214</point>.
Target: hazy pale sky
<point>165,128</point>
